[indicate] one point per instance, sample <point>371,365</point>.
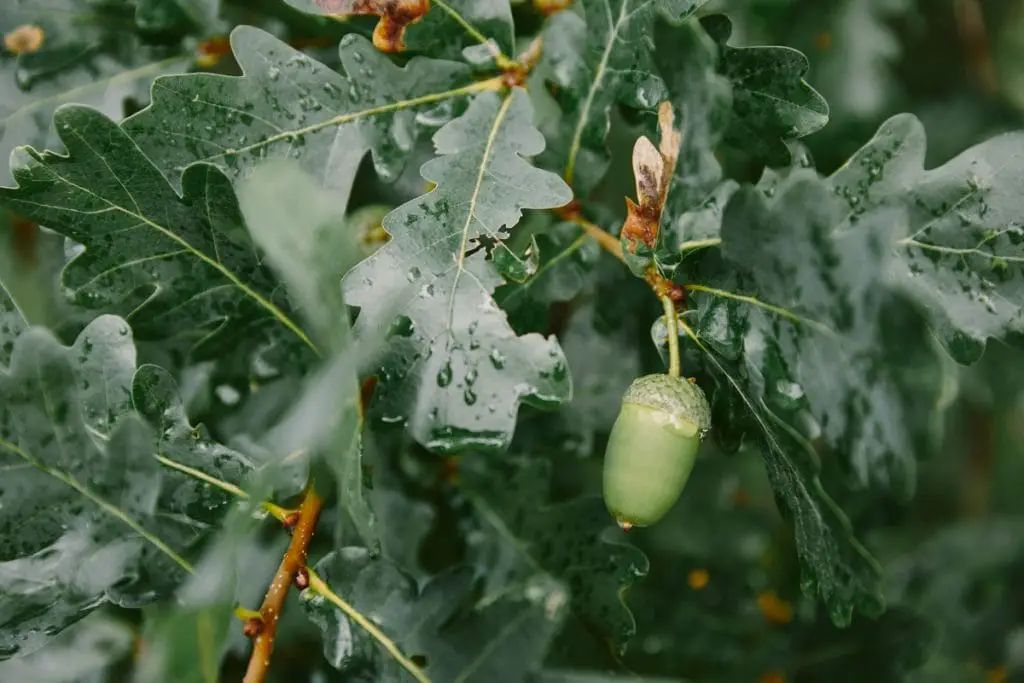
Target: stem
<point>294,560</point>
<point>303,530</point>
<point>500,58</point>
<point>607,241</point>
<point>320,586</point>
<point>672,321</point>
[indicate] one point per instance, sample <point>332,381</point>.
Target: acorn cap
<point>681,401</point>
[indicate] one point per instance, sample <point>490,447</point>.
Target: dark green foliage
<point>244,251</point>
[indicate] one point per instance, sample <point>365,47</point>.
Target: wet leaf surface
<point>175,266</point>
<point>961,255</point>
<point>810,342</point>
<point>597,61</point>
<point>771,102</point>
<point>439,625</point>
<point>526,533</point>
<point>453,369</point>
<point>89,54</point>
<point>287,105</point>
<point>88,515</point>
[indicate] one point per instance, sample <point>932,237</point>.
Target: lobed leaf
<point>813,344</point>
<point>173,266</point>
<point>287,105</point>
<point>88,515</point>
<point>597,62</point>
<point>503,640</point>
<point>527,534</point>
<point>86,56</point>
<point>452,368</point>
<point>771,103</point>
<point>963,252</point>
<point>311,258</point>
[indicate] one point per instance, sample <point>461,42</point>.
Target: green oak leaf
<point>12,324</point>
<point>526,533</point>
<point>565,255</point>
<point>88,514</point>
<point>87,57</point>
<point>78,516</point>
<point>287,105</point>
<point>597,62</point>
<point>173,266</point>
<point>452,368</point>
<point>499,641</point>
<point>836,326</point>
<point>88,651</point>
<point>799,325</point>
<point>311,257</point>
<point>455,28</point>
<point>701,100</point>
<point>771,103</point>
<point>155,397</point>
<point>963,252</point>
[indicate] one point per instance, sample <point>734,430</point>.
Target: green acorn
<point>652,447</point>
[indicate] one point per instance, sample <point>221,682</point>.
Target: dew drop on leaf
<point>444,375</point>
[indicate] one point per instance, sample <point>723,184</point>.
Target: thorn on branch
<point>290,521</point>
<point>252,628</point>
<point>302,579</point>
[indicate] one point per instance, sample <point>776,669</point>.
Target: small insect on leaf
<point>394,15</point>
<point>24,40</point>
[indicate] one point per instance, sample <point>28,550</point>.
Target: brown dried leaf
<point>394,15</point>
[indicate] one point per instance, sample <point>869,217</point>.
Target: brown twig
<point>270,611</point>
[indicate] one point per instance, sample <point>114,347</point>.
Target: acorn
<point>652,448</point>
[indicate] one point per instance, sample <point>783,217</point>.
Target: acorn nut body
<point>652,447</point>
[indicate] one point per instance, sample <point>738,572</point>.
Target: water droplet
<point>497,359</point>
<point>273,73</point>
<point>413,274</point>
<point>471,377</point>
<point>469,396</point>
<point>444,375</point>
<point>358,57</point>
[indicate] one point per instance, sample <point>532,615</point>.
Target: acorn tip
<point>624,525</point>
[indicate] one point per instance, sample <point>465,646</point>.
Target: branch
<point>270,611</point>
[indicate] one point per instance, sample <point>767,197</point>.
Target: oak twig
<point>294,560</point>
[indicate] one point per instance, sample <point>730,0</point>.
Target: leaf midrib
<point>96,499</point>
<point>280,315</point>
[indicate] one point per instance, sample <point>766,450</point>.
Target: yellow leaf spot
<point>774,609</point>
<point>698,579</point>
<point>24,40</point>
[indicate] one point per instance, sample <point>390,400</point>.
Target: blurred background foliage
<point>721,601</point>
